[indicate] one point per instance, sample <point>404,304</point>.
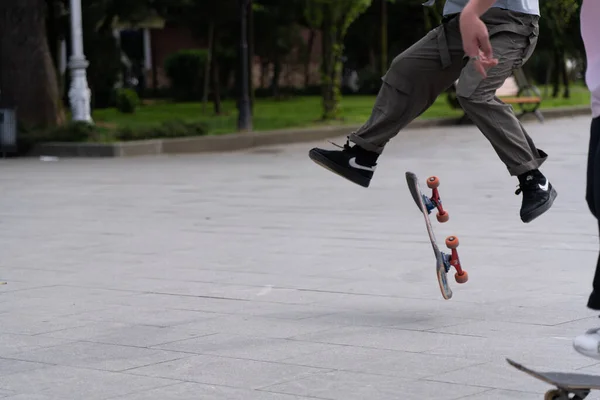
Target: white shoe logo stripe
<point>544,187</point>
<point>352,162</point>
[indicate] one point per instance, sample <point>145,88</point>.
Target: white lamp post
<point>79,92</point>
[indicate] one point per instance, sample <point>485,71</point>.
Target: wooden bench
<point>515,90</point>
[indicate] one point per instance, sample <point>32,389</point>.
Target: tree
<point>219,20</point>
<point>312,18</point>
<point>28,78</point>
<point>277,34</point>
<point>336,17</point>
<point>554,40</point>
<point>244,112</point>
<point>384,36</point>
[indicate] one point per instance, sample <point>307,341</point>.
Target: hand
<point>476,41</point>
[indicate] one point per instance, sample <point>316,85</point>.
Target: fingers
<point>476,42</point>
<point>488,62</point>
<point>485,46</point>
<point>480,68</point>
<point>482,64</point>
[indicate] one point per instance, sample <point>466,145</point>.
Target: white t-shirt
<point>590,32</point>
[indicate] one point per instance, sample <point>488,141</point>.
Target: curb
<point>242,141</point>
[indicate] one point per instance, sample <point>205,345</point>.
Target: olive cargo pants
<point>422,72</point>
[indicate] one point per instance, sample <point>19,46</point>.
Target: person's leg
<point>593,200</point>
<point>589,343</point>
<point>592,187</point>
<point>497,120</point>
<point>414,80</point>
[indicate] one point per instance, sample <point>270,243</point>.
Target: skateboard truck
<point>435,201</point>
<point>452,260</point>
<point>558,394</point>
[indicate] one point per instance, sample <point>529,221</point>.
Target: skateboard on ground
<point>444,262</point>
<point>569,386</point>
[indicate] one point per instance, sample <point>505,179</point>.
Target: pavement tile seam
<point>184,355</point>
<point>357,370</point>
<point>120,396</point>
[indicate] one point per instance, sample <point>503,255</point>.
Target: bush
<point>168,129</point>
<point>289,91</point>
<point>127,100</point>
<point>76,131</point>
<point>85,132</point>
<point>185,69</point>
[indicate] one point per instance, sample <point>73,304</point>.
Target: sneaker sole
<point>344,172</point>
<point>541,209</point>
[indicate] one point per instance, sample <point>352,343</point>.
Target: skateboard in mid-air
<point>569,386</point>
<point>444,262</point>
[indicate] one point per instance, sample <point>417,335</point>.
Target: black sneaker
<point>352,162</point>
<point>538,195</point>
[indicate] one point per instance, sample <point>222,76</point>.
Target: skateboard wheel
<point>553,395</point>
<point>443,217</point>
<point>433,182</point>
<point>452,242</point>
<point>461,278</point>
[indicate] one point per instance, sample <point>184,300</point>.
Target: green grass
<point>295,112</point>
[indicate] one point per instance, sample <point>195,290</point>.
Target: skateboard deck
<point>443,261</point>
<point>568,385</point>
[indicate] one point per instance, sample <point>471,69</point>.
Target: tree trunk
<point>308,56</point>
<point>27,74</point>
<point>251,54</point>
<point>549,73</point>
<point>244,112</point>
<point>264,71</point>
<point>557,74</point>
<point>373,59</point>
<point>328,64</point>
<point>565,78</point>
<point>216,86</point>
<point>154,68</point>
<point>211,46</point>
<point>276,76</point>
<point>53,37</point>
<point>384,38</point>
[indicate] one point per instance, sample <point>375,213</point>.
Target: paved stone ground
<point>258,275</point>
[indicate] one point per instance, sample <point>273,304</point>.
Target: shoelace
<point>521,188</point>
<point>344,147</point>
<point>529,184</point>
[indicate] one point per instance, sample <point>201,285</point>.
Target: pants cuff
<point>360,142</point>
<point>530,165</point>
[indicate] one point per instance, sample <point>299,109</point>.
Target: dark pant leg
<point>593,199</point>
<point>477,96</point>
<point>412,84</point>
